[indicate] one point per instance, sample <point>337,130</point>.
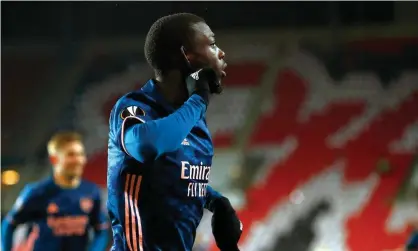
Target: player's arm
<point>100,225</point>
<point>211,197</point>
<point>7,231</point>
<point>21,212</point>
<point>149,139</point>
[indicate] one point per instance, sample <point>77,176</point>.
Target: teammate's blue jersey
<point>159,161</point>
<point>63,217</point>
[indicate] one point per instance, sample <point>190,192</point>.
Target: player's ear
<point>53,159</point>
<point>188,57</point>
<point>187,61</point>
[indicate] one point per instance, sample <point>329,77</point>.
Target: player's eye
<point>213,45</point>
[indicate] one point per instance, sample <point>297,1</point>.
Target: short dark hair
<point>165,38</point>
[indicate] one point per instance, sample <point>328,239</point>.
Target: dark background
<point>54,21</point>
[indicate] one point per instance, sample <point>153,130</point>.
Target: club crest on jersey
<point>132,111</point>
<point>52,208</point>
<point>86,205</point>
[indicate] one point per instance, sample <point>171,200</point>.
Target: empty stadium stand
<point>352,121</point>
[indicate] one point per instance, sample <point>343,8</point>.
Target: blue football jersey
<point>62,217</point>
<point>156,197</point>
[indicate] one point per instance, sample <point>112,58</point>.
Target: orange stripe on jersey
<point>132,212</point>
<point>137,188</point>
<point>127,226</point>
<point>132,216</point>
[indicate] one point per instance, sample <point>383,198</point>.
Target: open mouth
<point>223,73</point>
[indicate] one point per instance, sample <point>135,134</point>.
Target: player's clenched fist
<point>226,227</point>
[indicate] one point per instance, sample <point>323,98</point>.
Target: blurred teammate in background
<point>62,208</point>
<point>160,149</point>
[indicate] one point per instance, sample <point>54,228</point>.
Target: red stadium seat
<point>227,112</point>
<point>244,74</point>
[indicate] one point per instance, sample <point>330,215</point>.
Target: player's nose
<point>221,54</point>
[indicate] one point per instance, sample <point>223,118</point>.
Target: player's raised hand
<point>226,227</point>
<point>203,83</point>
